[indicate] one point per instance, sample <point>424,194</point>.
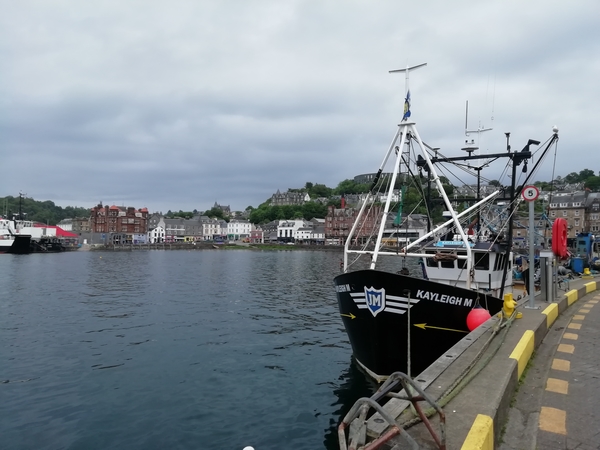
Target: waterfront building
<point>257,236</point>
<point>287,230</point>
<point>210,228</point>
<point>118,219</point>
<point>238,229</point>
<point>339,221</point>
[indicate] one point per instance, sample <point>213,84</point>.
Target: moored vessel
<point>401,319</point>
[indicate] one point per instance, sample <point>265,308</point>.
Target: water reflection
<point>353,384</point>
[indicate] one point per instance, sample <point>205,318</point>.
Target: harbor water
<point>213,349</point>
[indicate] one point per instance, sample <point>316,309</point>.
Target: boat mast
<point>409,128</point>
<point>404,129</point>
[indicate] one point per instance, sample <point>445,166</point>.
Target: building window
<point>577,212</point>
<point>564,214</point>
<point>553,214</point>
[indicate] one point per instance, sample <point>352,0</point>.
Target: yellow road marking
<point>574,326</point>
<point>578,317</point>
<point>553,420</point>
<point>589,305</point>
<point>571,336</point>
<point>584,311</point>
<point>561,364</point>
<point>558,386</point>
<point>565,348</point>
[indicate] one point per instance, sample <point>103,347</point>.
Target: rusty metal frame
<point>360,408</point>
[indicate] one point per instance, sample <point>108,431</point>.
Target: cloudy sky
<point>178,104</point>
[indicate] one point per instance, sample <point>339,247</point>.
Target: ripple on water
<point>173,349</point>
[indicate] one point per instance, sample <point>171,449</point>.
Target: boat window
<point>482,261</point>
<point>448,264</point>
<point>430,261</point>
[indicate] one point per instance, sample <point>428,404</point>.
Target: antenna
<point>471,146</point>
<point>407,98</point>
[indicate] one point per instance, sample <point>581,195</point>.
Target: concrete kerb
<point>486,428</point>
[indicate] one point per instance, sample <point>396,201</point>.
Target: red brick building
<point>339,221</point>
<point>118,219</point>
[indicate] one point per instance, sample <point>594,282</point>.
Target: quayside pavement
<point>557,405</point>
<point>541,387</point>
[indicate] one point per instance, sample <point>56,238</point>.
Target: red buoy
<point>476,317</point>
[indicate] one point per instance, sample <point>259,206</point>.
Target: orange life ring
<point>559,238</point>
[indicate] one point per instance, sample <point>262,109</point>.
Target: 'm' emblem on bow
<point>375,300</point>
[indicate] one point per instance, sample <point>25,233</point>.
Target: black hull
<point>20,246</point>
<point>378,332</point>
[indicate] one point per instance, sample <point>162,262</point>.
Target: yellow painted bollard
<point>509,307</point>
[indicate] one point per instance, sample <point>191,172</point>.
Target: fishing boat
<point>401,319</point>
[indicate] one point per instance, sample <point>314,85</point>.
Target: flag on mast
<point>406,106</point>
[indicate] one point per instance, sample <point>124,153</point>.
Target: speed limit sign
<point>530,193</point>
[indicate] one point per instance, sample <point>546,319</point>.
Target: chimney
<point>343,201</point>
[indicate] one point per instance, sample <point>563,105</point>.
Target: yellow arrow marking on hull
<point>425,326</point>
<point>352,316</point>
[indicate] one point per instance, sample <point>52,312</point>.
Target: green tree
<point>320,190</point>
<point>350,187</point>
<point>593,183</point>
<point>573,177</point>
<point>215,213</point>
<point>40,211</point>
<point>585,174</point>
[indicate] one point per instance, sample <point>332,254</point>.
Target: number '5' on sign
<point>530,193</point>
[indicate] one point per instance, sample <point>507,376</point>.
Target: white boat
<point>12,240</point>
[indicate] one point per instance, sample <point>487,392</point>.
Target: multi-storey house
<point>592,210</point>
<point>339,221</point>
<point>211,228</point>
<point>287,229</point>
<point>289,198</point>
<point>225,209</point>
<point>270,231</point>
<point>118,219</point>
<point>257,236</point>
<point>238,229</point>
<point>570,206</point>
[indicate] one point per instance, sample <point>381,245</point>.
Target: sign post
<point>530,194</point>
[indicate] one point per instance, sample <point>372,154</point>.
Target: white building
<point>157,234</point>
<point>211,228</point>
<point>288,229</point>
<point>238,229</point>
